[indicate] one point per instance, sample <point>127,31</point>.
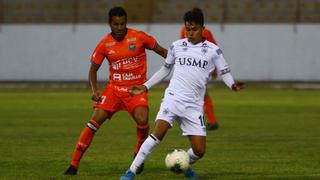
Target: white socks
<point>193,157</point>
<point>144,152</point>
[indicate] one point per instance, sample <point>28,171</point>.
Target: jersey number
<point>201,118</point>
<point>102,99</point>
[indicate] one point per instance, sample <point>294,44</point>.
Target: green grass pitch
<point>265,133</point>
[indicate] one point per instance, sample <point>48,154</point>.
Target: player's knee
<point>99,116</point>
<point>142,121</point>
<point>141,118</point>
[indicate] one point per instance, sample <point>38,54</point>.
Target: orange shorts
<point>116,98</point>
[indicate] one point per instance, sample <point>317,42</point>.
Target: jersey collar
<point>113,36</point>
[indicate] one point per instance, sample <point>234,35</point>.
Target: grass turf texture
<point>264,133</point>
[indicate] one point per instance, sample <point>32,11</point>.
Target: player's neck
<point>119,38</point>
<point>195,41</point>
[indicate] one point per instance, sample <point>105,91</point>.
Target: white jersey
<point>193,64</point>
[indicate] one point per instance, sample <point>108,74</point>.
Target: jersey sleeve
<point>148,41</point>
<point>208,36</point>
<point>170,60</point>
<point>220,63</point>
<point>98,55</point>
<point>223,68</point>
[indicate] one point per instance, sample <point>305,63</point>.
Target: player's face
<point>118,26</point>
<point>194,32</point>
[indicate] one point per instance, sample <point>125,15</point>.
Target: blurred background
<point>271,130</point>
<point>262,40</point>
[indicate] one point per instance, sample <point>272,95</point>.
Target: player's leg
<point>103,109</point>
<point>193,126</point>
<point>138,108</point>
<point>209,110</point>
<point>140,115</point>
<point>85,139</point>
<point>198,148</point>
<point>196,152</point>
<point>149,144</point>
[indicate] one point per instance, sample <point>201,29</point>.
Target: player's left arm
<point>209,37</point>
<point>225,74</point>
<point>151,44</point>
<point>160,50</point>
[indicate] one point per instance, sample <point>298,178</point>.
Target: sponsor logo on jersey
<point>131,39</point>
<point>188,61</point>
<point>116,65</point>
<point>142,99</point>
<point>110,44</point>
<point>184,43</point>
<point>126,63</point>
<point>132,47</point>
<point>125,76</point>
<point>111,52</point>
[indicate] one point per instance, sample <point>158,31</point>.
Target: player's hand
<point>215,74</point>
<point>137,89</point>
<point>95,96</point>
<point>237,86</point>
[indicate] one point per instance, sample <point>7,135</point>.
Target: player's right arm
<point>93,82</point>
<point>96,61</point>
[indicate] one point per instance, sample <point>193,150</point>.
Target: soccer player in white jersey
<point>194,60</point>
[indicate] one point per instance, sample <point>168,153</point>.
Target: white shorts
<point>189,117</point>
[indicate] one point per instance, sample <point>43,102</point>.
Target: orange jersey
<point>127,58</point>
<point>206,34</point>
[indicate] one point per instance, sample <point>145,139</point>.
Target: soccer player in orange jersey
<point>208,103</point>
<point>125,50</point>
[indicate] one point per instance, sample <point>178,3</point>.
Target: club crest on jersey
<point>132,47</point>
<point>204,50</point>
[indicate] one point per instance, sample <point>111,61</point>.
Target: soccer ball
<point>177,161</point>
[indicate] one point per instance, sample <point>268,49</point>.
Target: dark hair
<point>117,11</point>
<point>195,15</point>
